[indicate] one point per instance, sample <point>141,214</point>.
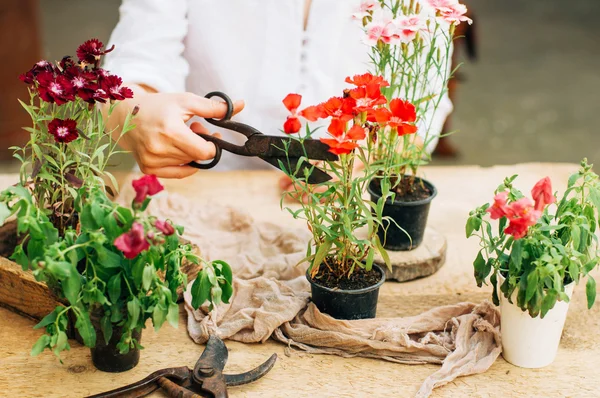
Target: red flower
<point>145,186</point>
<point>367,97</point>
<point>111,88</point>
<point>343,142</point>
<point>165,227</point>
<point>41,66</point>
<point>292,102</point>
<point>521,215</point>
<point>63,130</point>
<point>91,51</point>
<point>542,193</point>
<point>339,108</point>
<point>84,83</point>
<point>366,79</point>
<point>53,88</point>
<point>313,113</point>
<point>401,116</point>
<point>499,208</point>
<point>133,242</point>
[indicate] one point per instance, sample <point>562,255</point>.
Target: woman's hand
<point>161,142</point>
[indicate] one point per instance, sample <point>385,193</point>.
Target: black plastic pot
<point>410,216</point>
<point>347,304</point>
<point>107,358</point>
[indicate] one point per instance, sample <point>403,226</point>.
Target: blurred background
<point>530,96</point>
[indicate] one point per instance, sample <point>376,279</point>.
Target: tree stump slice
<point>423,261</point>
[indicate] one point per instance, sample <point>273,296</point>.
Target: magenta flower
<point>133,242</point>
<point>165,227</point>
<point>145,186</point>
<point>111,86</point>
<point>91,51</point>
<point>53,88</point>
<point>63,130</point>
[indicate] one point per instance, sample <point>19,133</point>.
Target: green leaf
<point>224,269</point>
<point>590,291</point>
<point>40,344</point>
<point>133,308</point>
<point>114,288</point>
<point>383,252</point>
<point>473,224</point>
<point>4,212</point>
<point>107,328</point>
<point>572,179</point>
<point>48,319</point>
<point>480,269</point>
<point>85,328</point>
<point>148,276</point>
<point>575,236</point>
<point>159,315</point>
<point>494,283</point>
<point>548,301</point>
<point>532,285</point>
<point>62,342</point>
<point>173,315</point>
<point>321,253</point>
<point>595,196</point>
<point>59,269</point>
<point>72,287</point>
<point>215,295</point>
<point>108,258</point>
<point>516,255</point>
<point>200,289</point>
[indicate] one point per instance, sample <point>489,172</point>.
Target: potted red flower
<point>113,267</point>
<point>411,46</point>
<point>541,250</point>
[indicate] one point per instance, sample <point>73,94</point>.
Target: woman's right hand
<point>161,142</point>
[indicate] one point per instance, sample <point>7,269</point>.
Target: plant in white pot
<point>539,251</point>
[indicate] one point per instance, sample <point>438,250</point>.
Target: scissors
<point>205,380</point>
<point>285,153</point>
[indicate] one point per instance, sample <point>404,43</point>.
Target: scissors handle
<point>216,159</point>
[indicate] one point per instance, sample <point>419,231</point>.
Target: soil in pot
<point>347,298</point>
<point>107,358</point>
<point>409,210</point>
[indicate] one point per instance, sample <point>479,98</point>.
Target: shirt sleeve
<point>149,44</point>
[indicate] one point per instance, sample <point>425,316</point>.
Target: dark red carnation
<point>91,51</point>
<point>63,130</point>
<point>145,186</point>
<point>133,242</point>
<point>165,227</point>
<point>111,86</point>
<point>55,88</point>
<point>41,66</point>
<point>84,83</point>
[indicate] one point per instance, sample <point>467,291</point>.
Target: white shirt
<point>255,50</point>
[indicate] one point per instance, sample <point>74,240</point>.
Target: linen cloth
<point>272,299</point>
<point>255,50</point>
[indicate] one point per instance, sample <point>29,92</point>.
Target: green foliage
<point>560,249</point>
<point>104,289</point>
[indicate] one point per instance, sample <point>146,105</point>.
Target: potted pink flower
<point>113,267</point>
<point>539,251</point>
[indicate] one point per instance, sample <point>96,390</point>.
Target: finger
<point>153,161</point>
<point>285,183</point>
<point>194,146</point>
<point>171,171</point>
<point>209,108</point>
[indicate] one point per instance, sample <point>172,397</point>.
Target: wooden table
<point>576,371</point>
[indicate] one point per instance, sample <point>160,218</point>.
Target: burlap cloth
<point>272,299</point>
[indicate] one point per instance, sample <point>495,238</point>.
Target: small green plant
<point>119,268</point>
<point>537,251</point>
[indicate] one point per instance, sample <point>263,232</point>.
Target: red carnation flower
<point>367,97</point>
<point>133,242</point>
<point>165,227</point>
<point>339,108</point>
<point>292,124</point>
<point>401,115</point>
<point>111,88</point>
<point>366,79</point>
<point>52,88</point>
<point>30,76</point>
<point>91,51</point>
<point>63,130</point>
<point>145,186</point>
<point>343,142</point>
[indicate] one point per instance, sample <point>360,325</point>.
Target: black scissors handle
<point>228,124</point>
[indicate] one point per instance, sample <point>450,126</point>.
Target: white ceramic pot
<point>531,342</point>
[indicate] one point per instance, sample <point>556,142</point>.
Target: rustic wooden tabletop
<point>575,373</point>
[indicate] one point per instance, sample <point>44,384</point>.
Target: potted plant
<point>344,280</point>
<point>411,44</point>
<point>113,267</point>
<point>541,250</point>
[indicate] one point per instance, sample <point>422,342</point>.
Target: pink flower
<point>165,227</point>
<point>442,4</point>
<point>145,186</point>
<point>408,27</point>
<point>499,208</point>
<point>63,130</point>
<point>521,215</point>
<point>381,28</point>
<point>366,8</point>
<point>455,14</point>
<point>542,193</point>
<point>133,242</point>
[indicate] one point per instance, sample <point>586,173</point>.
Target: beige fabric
<point>271,299</point>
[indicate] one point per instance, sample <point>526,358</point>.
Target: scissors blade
<point>251,375</point>
<point>272,146</point>
<point>214,356</point>
<point>316,175</point>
